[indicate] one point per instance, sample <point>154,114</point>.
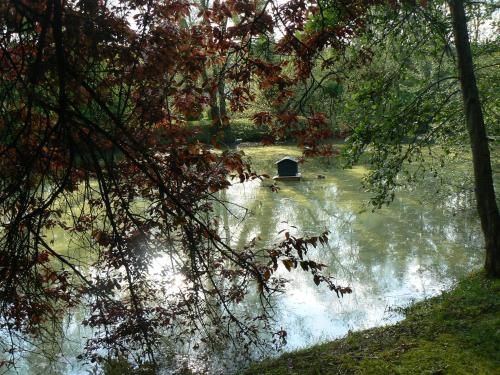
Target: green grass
<point>457,332</point>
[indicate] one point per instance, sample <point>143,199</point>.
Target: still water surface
<point>419,245</point>
<point>411,250</point>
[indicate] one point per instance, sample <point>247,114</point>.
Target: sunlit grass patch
<point>457,332</point>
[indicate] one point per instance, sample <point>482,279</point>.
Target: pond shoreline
<point>457,332</point>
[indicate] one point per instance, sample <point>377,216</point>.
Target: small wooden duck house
<point>288,169</point>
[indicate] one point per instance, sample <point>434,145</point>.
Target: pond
<point>414,248</point>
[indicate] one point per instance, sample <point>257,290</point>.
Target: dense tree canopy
<point>95,98</point>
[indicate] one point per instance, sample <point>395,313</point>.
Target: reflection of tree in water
<point>404,235</point>
<point>409,249</point>
<point>389,256</point>
<point>257,217</point>
<point>55,350</point>
<point>222,212</point>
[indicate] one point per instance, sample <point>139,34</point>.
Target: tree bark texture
<point>483,179</point>
<point>221,88</point>
<point>214,106</point>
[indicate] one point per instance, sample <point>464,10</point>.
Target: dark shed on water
<point>288,167</point>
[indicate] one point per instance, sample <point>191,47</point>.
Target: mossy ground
<point>457,332</point>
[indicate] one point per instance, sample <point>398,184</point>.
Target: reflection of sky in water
<point>410,250</point>
<point>60,356</point>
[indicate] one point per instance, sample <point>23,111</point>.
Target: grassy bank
<point>243,129</point>
<point>238,128</point>
<point>457,332</point>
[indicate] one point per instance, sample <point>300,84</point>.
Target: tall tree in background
<point>395,121</point>
<point>483,179</point>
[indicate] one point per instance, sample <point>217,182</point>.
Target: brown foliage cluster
<point>94,143</point>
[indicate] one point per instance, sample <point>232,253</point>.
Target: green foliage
<point>457,332</point>
<point>332,89</point>
<point>329,15</point>
<point>488,79</point>
<point>395,89</point>
<point>238,128</point>
<point>412,100</point>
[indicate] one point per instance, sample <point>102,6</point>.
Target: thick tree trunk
<point>214,107</point>
<point>483,180</point>
<point>222,99</point>
<point>214,111</point>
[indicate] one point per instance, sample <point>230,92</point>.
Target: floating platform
<point>297,177</point>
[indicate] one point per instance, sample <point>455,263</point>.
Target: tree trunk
<point>221,88</point>
<point>222,98</point>
<point>214,111</point>
<point>214,106</point>
<point>483,180</point>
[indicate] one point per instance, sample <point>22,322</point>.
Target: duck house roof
<point>287,158</point>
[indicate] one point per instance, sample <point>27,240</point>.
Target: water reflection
<point>410,250</point>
